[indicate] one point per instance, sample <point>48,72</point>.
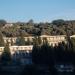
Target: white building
<point>21,53</point>
<point>52,40</point>
<point>14,49</point>
<point>8,25</point>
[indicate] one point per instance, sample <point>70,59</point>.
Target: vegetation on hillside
<point>56,27</point>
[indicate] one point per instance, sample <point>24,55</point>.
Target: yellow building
<point>14,49</point>
<point>52,40</point>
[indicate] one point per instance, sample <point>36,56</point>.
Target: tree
<point>6,55</point>
<point>58,22</point>
<point>2,22</point>
<point>1,40</point>
<point>20,40</point>
<point>39,40</point>
<point>73,43</point>
<point>35,53</point>
<point>35,40</point>
<point>31,22</point>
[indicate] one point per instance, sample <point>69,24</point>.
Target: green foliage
<point>20,41</point>
<point>2,22</point>
<point>37,40</point>
<point>73,43</point>
<point>31,22</point>
<point>6,55</point>
<point>57,27</point>
<point>58,22</point>
<point>35,53</point>
<point>42,53</point>
<point>1,40</point>
<point>49,55</point>
<point>28,42</point>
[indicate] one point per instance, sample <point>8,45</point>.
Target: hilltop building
<point>24,52</point>
<point>52,40</point>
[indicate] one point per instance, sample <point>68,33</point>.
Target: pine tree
<point>6,55</point>
<point>35,54</point>
<point>73,43</point>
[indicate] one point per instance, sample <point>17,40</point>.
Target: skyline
<point>38,10</point>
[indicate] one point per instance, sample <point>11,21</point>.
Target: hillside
<point>56,27</point>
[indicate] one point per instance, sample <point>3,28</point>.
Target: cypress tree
<point>6,55</point>
<point>73,43</point>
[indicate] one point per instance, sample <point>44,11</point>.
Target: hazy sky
<point>38,10</point>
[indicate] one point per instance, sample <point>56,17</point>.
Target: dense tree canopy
<point>58,22</point>
<point>2,22</point>
<point>56,27</point>
<point>6,55</point>
<point>49,55</point>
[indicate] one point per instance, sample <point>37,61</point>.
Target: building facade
<point>20,54</point>
<point>14,49</point>
<point>52,40</point>
<point>24,52</point>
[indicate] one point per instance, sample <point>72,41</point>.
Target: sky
<point>38,10</point>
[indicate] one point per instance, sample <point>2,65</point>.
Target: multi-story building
<point>20,53</point>
<point>25,51</point>
<point>52,40</point>
<point>17,49</point>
